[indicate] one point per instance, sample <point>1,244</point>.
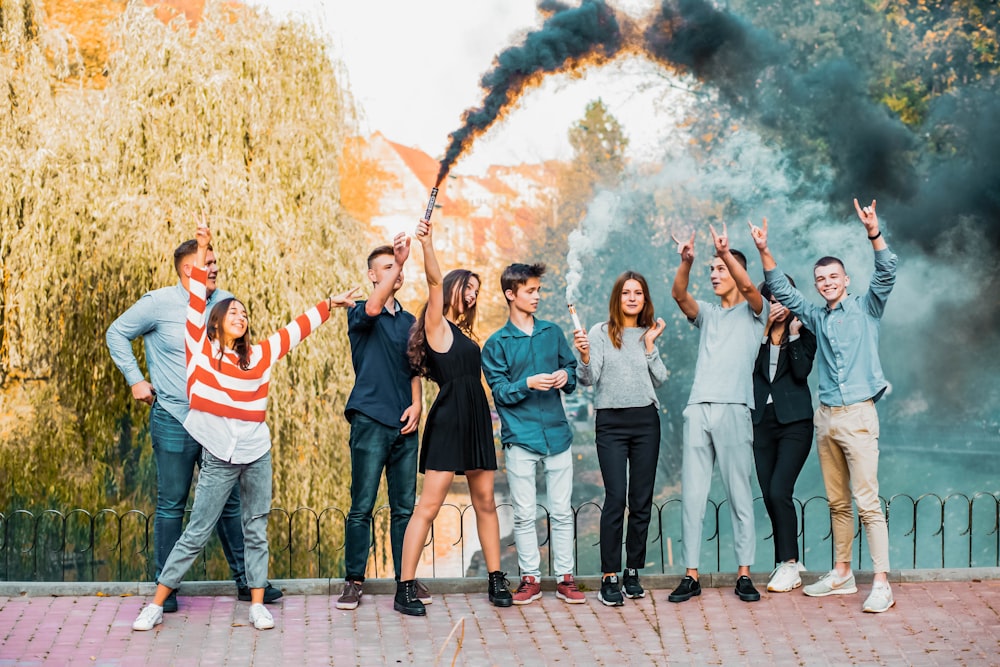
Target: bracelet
<point>872,238</point>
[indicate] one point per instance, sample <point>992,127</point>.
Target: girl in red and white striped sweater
<point>227,382</point>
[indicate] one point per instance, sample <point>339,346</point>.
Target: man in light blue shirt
<point>159,317</point>
<point>850,381</point>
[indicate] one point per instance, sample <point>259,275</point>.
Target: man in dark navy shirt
<point>384,410</point>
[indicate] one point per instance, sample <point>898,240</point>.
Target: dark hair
<point>241,346</point>
<point>453,286</point>
<point>765,292</point>
<point>378,252</point>
<point>765,289</point>
<point>740,257</point>
<point>516,275</point>
<point>616,317</point>
<point>827,261</point>
<point>183,251</point>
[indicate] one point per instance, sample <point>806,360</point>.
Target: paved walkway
<point>933,623</point>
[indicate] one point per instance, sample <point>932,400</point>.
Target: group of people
<point>750,404</point>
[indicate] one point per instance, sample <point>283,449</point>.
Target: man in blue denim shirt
<point>850,381</point>
<point>159,317</point>
<point>526,363</point>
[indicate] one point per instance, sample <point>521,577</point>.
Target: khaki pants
<point>847,443</point>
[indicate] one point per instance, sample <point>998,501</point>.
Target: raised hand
<point>868,217</point>
<point>203,234</point>
<point>721,241</point>
<point>401,248</point>
<point>653,333</point>
<point>345,300</point>
<point>776,312</point>
<point>685,248</point>
<point>424,232</point>
<point>759,234</point>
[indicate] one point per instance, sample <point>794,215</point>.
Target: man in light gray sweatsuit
<point>717,421</point>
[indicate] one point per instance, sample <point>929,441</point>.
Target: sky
<point>414,67</point>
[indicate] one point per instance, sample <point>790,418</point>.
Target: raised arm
<point>736,270</point>
<point>884,277</point>
<point>686,302</point>
<point>783,292</point>
<point>436,329</point>
<point>384,289</point>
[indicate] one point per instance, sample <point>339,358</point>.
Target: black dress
<point>458,434</point>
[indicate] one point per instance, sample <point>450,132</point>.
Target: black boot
<point>500,590</point>
<point>406,601</point>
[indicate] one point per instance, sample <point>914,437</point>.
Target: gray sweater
<point>621,378</point>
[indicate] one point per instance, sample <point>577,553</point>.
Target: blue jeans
<point>215,484</point>
<point>374,447</point>
<point>176,454</point>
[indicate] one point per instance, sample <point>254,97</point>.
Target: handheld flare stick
<point>576,319</point>
<point>430,204</point>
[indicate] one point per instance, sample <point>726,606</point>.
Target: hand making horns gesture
<point>684,248</point>
<point>721,241</point>
<point>759,234</point>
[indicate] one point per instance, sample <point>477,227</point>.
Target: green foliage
<point>244,119</point>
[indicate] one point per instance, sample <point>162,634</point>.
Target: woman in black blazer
<point>782,430</point>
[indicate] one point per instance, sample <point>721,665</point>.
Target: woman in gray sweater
<point>620,361</point>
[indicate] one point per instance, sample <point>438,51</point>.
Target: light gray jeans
<point>521,465</point>
<point>215,482</point>
<point>723,432</point>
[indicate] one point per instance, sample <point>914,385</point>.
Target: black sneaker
<point>630,584</point>
<point>406,601</point>
<point>745,589</point>
<point>687,589</point>
<point>499,590</point>
<point>170,604</point>
<point>611,592</point>
<point>270,593</point>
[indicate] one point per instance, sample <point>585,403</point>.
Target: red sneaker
<point>567,591</point>
<point>529,591</point>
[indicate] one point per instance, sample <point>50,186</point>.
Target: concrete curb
<point>456,584</point>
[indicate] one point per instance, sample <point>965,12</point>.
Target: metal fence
<point>929,531</point>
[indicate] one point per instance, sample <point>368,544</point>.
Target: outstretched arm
<point>686,302</point>
<point>436,329</point>
<point>783,292</point>
<point>736,270</point>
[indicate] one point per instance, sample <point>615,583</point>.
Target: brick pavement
<point>933,623</point>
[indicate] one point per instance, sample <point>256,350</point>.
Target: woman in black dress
<point>458,433</point>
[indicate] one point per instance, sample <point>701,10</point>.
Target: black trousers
<point>779,452</point>
<point>628,445</point>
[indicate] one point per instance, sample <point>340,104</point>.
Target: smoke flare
<point>570,38</point>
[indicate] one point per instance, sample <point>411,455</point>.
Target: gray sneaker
<point>879,600</point>
<point>831,584</point>
<point>351,597</point>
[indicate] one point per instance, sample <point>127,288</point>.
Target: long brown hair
<point>213,328</point>
<point>453,286</point>
<point>616,316</point>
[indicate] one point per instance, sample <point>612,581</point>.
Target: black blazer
<point>790,389</point>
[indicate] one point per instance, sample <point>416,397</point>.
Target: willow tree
<point>243,118</point>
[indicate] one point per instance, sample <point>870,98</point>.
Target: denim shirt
<point>532,419</point>
<point>159,317</point>
<point>847,335</point>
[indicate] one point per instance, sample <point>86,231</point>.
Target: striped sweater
<point>230,391</point>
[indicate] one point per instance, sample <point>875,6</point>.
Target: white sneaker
<point>880,599</point>
<point>786,577</point>
<point>261,617</point>
<point>831,584</point>
<point>149,617</point>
